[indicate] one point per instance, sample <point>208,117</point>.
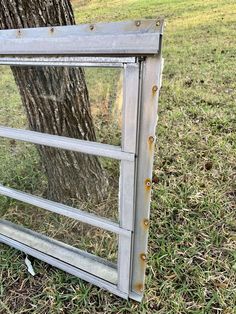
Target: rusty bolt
<point>138,23</point>
<point>148,183</point>
<point>143,257</point>
<point>91,27</point>
<point>151,139</point>
<point>146,222</point>
<point>154,89</point>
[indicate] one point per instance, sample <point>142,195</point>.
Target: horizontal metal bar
<point>80,259</point>
<point>86,266</point>
<point>67,61</point>
<point>67,143</point>
<point>65,210</point>
<point>119,38</point>
<point>145,44</point>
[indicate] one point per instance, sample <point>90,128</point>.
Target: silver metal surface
<point>67,143</point>
<point>44,243</point>
<point>130,107</point>
<point>127,180</point>
<point>64,210</point>
<point>151,79</point>
<point>120,38</point>
<point>71,61</point>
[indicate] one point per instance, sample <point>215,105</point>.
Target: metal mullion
<point>82,146</point>
<point>151,83</point>
<point>65,210</point>
<point>127,174</point>
<point>71,61</point>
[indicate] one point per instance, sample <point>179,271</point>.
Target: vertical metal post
<point>127,180</point>
<point>151,83</point>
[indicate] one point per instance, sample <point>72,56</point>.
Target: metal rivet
<point>138,23</point>
<point>154,88</point>
<point>143,257</point>
<point>91,27</point>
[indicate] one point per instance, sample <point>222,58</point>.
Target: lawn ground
<point>192,246</point>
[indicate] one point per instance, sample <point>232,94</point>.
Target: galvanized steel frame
<point>135,47</point>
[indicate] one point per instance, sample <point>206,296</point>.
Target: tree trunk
<point>56,102</point>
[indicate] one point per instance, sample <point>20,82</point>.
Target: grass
<point>192,244</point>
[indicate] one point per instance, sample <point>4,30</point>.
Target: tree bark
<point>56,102</point>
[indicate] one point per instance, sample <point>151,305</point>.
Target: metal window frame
<point>134,46</point>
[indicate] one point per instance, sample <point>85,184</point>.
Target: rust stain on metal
<point>139,287</point>
<point>148,184</point>
<point>145,224</point>
<point>143,262</point>
<point>154,89</point>
<point>151,141</point>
